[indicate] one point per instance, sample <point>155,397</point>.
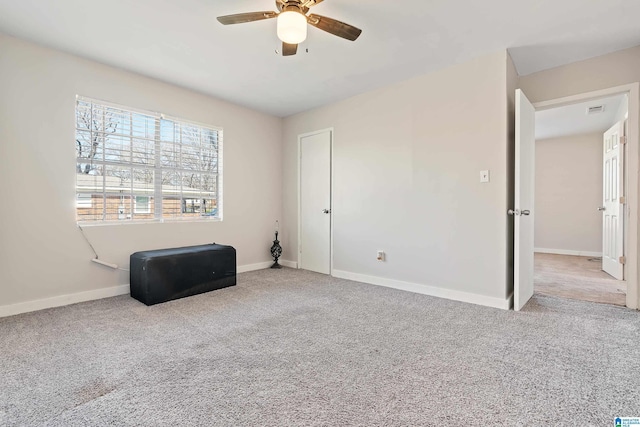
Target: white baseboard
<point>567,252</point>
<point>290,264</point>
<point>254,267</point>
<point>41,304</point>
<point>61,300</point>
<point>433,291</point>
<point>263,265</point>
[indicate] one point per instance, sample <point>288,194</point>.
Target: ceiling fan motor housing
<point>292,6</point>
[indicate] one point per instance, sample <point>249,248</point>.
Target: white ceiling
<point>574,120</point>
<point>180,41</point>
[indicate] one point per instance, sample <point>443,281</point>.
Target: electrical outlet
<point>484,176</point>
<point>380,256</point>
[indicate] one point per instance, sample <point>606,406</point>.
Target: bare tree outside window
<point>125,157</point>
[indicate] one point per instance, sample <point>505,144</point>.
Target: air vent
<point>595,109</point>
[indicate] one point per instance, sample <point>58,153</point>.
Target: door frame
<point>332,137</point>
<point>633,167</point>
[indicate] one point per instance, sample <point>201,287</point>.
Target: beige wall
<point>603,72</point>
<point>568,192</point>
<point>42,253</point>
<point>406,171</point>
<point>406,168</point>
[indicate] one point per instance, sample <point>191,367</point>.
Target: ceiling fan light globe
<point>292,27</point>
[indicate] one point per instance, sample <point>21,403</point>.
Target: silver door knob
<point>326,211</point>
<point>526,212</point>
<point>602,208</point>
<point>514,212</point>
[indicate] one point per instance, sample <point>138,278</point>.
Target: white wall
<point>406,167</point>
<point>42,253</point>
<point>568,192</point>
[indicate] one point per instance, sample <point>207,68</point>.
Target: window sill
<point>86,224</point>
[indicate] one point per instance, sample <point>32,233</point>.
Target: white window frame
<point>159,191</point>
<point>141,208</point>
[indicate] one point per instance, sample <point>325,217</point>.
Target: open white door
<point>524,198</point>
<point>315,202</point>
<point>612,208</point>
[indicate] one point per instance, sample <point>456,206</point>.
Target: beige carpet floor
<point>578,278</point>
<point>295,348</point>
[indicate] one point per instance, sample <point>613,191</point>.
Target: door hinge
<point>622,259</point>
<point>623,140</point>
<point>623,200</point>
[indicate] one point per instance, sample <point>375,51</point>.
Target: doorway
<point>579,190</point>
<point>524,211</point>
<point>315,202</point>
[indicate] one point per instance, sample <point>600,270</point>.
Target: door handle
<point>518,212</point>
<point>602,208</point>
<point>326,211</point>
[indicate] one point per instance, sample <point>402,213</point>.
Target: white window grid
<point>160,149</point>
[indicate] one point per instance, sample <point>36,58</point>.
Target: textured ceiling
<point>182,43</point>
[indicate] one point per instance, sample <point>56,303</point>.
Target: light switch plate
<point>484,176</point>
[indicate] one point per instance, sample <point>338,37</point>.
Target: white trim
<point>567,252</point>
<point>254,267</point>
<point>504,304</point>
<point>290,264</point>
<point>331,207</point>
<point>265,265</point>
<point>633,190</point>
<point>62,300</point>
<point>586,96</point>
<point>298,196</point>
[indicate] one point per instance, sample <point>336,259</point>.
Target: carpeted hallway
<point>296,348</point>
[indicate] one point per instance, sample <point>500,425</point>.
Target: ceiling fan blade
<point>334,27</point>
<point>241,18</point>
<point>289,49</point>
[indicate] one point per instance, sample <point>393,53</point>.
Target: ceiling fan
<point>292,23</point>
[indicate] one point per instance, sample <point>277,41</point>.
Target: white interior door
<point>612,209</point>
<point>315,202</point>
<point>524,198</point>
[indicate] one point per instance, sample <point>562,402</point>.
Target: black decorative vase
<point>276,251</point>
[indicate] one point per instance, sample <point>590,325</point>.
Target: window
<point>141,205</point>
<point>136,165</point>
<point>83,201</point>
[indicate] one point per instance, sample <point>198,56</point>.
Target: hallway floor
<point>576,277</point>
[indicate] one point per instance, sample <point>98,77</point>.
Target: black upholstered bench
<point>167,274</point>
